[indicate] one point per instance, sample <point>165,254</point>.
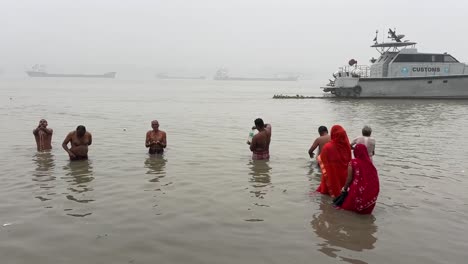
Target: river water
<point>205,201</point>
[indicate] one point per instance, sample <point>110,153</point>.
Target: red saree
<point>363,191</point>
<point>334,159</point>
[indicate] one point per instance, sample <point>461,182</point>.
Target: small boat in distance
<point>222,75</point>
<point>169,77</point>
<point>40,71</point>
<point>401,72</point>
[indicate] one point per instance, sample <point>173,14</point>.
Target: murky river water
<point>205,201</point>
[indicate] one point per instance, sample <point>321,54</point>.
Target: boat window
<point>438,58</point>
<point>413,58</point>
<point>449,58</point>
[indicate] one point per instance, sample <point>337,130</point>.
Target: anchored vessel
<point>401,72</point>
<point>222,75</point>
<point>39,71</point>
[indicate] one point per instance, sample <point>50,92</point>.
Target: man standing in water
<point>366,140</point>
<point>260,145</point>
<point>79,140</point>
<point>43,136</point>
<point>320,141</point>
<point>155,139</point>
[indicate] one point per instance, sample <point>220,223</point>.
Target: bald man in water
<point>79,140</point>
<point>155,139</point>
<point>43,136</point>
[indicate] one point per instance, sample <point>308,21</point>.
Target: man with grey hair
<point>156,139</point>
<point>366,140</point>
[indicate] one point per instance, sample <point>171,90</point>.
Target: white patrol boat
<point>402,72</point>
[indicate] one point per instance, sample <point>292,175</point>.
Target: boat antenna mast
<point>380,49</point>
<point>395,44</point>
<point>376,35</point>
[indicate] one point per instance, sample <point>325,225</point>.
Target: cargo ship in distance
<point>222,75</point>
<point>39,71</point>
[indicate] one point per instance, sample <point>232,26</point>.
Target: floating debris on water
<point>254,220</point>
<point>297,96</point>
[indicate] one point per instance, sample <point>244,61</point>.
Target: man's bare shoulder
<point>69,136</point>
<point>324,139</point>
<point>260,134</point>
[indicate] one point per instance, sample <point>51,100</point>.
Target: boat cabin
<point>409,63</point>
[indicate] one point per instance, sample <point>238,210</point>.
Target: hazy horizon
<point>200,36</point>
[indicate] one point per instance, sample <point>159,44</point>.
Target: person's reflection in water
<point>156,165</point>
<point>260,180</point>
<point>43,174</point>
<point>341,229</point>
<point>78,175</point>
<point>260,177</point>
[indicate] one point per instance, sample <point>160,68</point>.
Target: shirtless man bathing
<point>260,145</point>
<point>79,140</point>
<point>43,136</point>
<point>319,142</point>
<point>155,139</point>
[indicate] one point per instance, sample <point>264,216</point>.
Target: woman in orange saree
<point>333,161</point>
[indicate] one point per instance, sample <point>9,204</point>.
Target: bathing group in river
<point>353,183</point>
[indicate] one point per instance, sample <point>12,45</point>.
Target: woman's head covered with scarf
<point>341,141</point>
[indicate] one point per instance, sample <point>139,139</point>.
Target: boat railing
<point>358,71</point>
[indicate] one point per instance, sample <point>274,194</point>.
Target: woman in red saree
<point>333,160</point>
<point>362,183</point>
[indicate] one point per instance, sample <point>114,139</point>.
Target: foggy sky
<point>290,35</point>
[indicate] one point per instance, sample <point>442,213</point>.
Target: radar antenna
<point>393,35</point>
<point>396,42</point>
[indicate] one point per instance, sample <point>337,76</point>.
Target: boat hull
<point>44,74</point>
<point>450,87</point>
